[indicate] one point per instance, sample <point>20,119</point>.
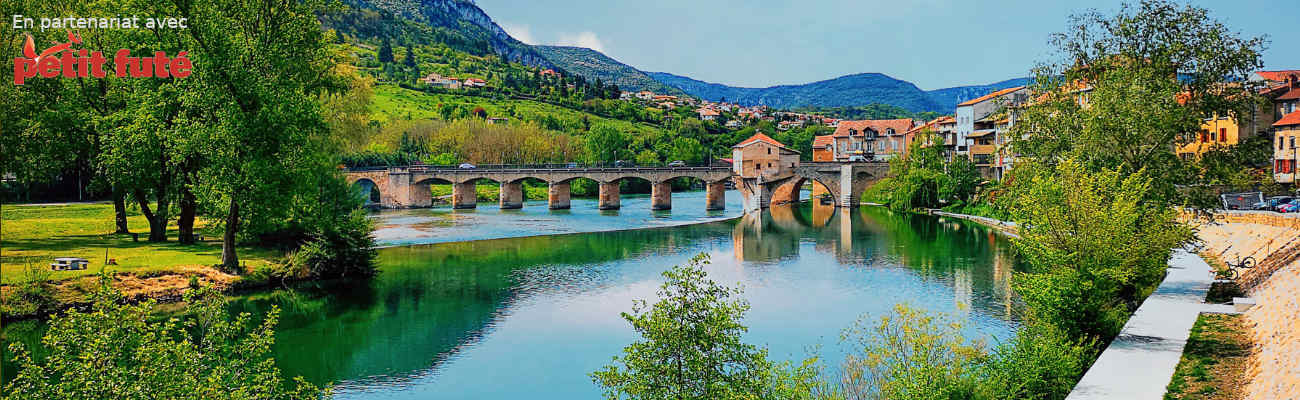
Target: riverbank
<point>1274,321</point>
<point>33,235</point>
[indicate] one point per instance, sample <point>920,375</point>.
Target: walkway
<point>1139,363</point>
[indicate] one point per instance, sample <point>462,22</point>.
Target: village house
<point>866,140</point>
<point>549,72</point>
<point>1286,129</point>
<point>445,82</point>
<point>475,83</point>
<point>645,95</point>
<point>734,124</point>
<point>763,157</point>
<point>707,114</point>
<point>823,148</point>
<point>498,120</point>
<point>626,95</point>
<point>982,126</point>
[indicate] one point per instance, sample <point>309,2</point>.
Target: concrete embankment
<point>1274,284</point>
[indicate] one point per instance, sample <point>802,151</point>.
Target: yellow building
<point>1215,132</point>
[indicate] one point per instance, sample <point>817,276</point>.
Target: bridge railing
<point>554,167</point>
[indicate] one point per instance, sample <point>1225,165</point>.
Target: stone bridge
<point>843,181</point>
<point>408,187</point>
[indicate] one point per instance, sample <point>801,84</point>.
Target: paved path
<point>1139,363</point>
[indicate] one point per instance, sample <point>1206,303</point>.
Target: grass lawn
<point>37,234</point>
<point>1215,360</point>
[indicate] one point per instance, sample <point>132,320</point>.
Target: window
<point>769,150</point>
<point>1223,135</point>
<point>1293,142</point>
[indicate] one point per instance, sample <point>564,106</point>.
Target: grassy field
<point>391,102</point>
<point>1215,360</point>
<point>37,234</point>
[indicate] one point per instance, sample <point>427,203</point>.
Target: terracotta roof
<point>900,126</point>
<point>1293,94</point>
<point>947,119</point>
<point>708,112</point>
<point>986,97</point>
<point>980,133</point>
<point>759,137</point>
<point>821,141</point>
<point>1278,76</point>
<point>1290,119</point>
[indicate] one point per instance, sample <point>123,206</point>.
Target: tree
<point>386,52</point>
<point>690,347</point>
<point>409,60</point>
<point>118,351</point>
<point>1094,242</point>
<point>686,149</point>
<point>606,144</point>
<point>265,128</point>
<point>1150,75</point>
<point>647,158</point>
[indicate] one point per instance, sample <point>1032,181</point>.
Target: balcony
<point>983,149</point>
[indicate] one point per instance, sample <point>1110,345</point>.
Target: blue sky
<point>932,43</point>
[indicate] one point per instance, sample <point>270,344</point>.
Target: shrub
<point>117,351</point>
<point>345,250</point>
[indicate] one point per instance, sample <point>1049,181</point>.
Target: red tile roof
<point>900,126</point>
<point>1290,119</point>
<point>1278,76</point>
<point>1293,94</point>
<point>986,97</point>
<point>759,137</point>
<point>822,141</point>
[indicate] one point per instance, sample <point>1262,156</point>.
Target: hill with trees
<point>596,65</point>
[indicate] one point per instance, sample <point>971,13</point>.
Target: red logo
<point>84,64</point>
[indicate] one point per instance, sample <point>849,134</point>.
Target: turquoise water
<point>530,317</point>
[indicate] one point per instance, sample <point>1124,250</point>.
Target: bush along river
<point>530,317</point>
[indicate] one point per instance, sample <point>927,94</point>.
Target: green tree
<point>117,351</point>
<point>264,133</point>
<point>1133,85</point>
<point>606,144</point>
<point>686,149</point>
<point>386,52</point>
<point>1095,244</point>
<point>647,158</point>
<point>409,60</point>
<point>690,347</point>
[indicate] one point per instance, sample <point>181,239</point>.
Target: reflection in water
<point>530,317</point>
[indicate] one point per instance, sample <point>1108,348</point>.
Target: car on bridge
<point>678,163</point>
<point>467,166</point>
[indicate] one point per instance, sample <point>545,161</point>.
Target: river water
<point>532,316</point>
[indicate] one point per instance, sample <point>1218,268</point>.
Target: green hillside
<point>596,65</point>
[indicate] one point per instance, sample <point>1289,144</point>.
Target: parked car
<point>857,159</point>
<point>572,165</point>
<point>1272,203</point>
<point>678,163</point>
<point>1293,206</point>
<point>467,166</point>
<point>621,163</point>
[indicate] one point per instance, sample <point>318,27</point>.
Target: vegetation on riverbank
<point>118,351</point>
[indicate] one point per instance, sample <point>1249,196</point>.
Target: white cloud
<point>586,39</point>
<point>519,32</point>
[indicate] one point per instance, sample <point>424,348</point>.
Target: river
<point>518,316</point>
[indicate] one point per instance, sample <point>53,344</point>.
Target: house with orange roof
<point>762,157</point>
<point>1229,130</point>
<point>1286,130</point>
<point>645,95</point>
<point>871,139</point>
<point>823,148</point>
<point>707,114</point>
<point>981,125</point>
<point>549,72</point>
<point>475,82</point>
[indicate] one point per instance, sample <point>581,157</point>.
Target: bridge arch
<point>367,190</point>
<point>791,191</point>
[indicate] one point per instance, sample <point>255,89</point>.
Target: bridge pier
<point>512,195</point>
<point>609,199</point>
<point>661,195</point>
<point>557,195</point>
<point>463,195</point>
<point>715,197</point>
